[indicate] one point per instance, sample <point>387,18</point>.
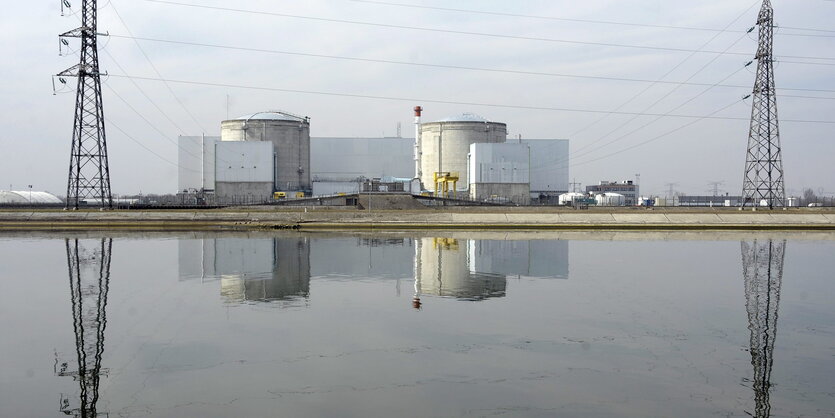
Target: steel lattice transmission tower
<point>764,160</point>
<point>89,175</point>
<point>762,268</point>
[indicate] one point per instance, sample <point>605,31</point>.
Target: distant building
<point>627,188</point>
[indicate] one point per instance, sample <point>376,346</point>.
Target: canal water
<point>460,324</point>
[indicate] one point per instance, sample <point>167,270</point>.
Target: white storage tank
<point>290,135</point>
<point>610,199</point>
<point>445,143</point>
<point>569,198</point>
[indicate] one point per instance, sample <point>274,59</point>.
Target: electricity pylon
<point>89,174</point>
<point>764,160</point>
<point>762,269</point>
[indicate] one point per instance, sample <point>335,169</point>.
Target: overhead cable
<point>459,32</point>
<point>414,99</point>
<point>577,20</point>
<point>445,66</point>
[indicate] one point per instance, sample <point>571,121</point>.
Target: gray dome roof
<point>464,117</point>
<point>272,115</point>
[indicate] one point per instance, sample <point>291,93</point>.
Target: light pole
<point>30,194</point>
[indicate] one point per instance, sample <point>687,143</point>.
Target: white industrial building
<point>499,171</point>
<point>339,165</point>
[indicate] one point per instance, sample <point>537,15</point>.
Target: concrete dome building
<point>290,136</point>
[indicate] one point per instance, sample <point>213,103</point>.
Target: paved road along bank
<point>499,218</point>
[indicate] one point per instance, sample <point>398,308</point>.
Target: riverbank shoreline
<point>496,218</point>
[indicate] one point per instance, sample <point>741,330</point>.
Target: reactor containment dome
<point>445,144</point>
<point>290,136</point>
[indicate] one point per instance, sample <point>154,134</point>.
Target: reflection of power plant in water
<point>762,266</point>
<point>478,269</point>
<point>443,269</point>
<point>89,274</point>
<point>279,269</point>
<point>250,269</point>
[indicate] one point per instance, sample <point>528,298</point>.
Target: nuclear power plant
<point>270,156</point>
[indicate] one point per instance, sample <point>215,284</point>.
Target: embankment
<point>498,218</point>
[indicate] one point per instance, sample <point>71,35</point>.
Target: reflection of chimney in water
<point>89,274</point>
<point>416,298</point>
<point>762,268</point>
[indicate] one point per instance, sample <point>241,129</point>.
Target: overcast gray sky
<point>36,135</point>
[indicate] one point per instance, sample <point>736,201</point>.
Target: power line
<point>112,90</point>
<point>141,90</point>
<point>110,122</point>
<point>445,66</point>
<point>412,99</point>
<point>162,134</point>
<point>458,32</point>
<point>156,71</point>
<point>655,138</point>
<point>704,45</point>
<point>566,19</point>
<point>803,63</point>
<point>654,120</point>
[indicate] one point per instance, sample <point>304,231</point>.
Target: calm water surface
<point>450,325</point>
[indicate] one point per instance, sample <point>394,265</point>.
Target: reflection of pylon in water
<point>89,274</point>
<point>762,267</point>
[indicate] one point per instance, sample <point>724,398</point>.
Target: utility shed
<point>499,172</point>
<point>244,171</point>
